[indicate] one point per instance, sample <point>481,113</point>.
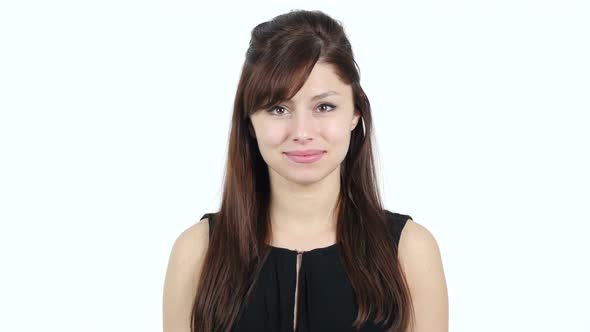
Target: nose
<point>304,126</point>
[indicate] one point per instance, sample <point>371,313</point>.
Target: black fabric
<point>326,298</point>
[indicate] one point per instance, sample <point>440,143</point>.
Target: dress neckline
<point>319,250</point>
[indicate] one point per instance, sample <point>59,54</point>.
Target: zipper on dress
<point>297,273</point>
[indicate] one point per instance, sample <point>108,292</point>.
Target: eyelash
<point>324,104</point>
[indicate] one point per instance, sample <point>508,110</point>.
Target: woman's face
<point>320,116</point>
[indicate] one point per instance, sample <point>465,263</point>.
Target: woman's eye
<point>327,105</point>
<point>276,108</point>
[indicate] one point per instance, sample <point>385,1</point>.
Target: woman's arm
<point>182,276</point>
<point>421,261</point>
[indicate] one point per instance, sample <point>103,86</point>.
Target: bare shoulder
<point>194,237</point>
<point>420,257</point>
<point>416,239</point>
<point>191,245</point>
<point>182,275</point>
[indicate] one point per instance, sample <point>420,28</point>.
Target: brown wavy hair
<point>280,57</point>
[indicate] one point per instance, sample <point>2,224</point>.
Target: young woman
<point>301,241</point>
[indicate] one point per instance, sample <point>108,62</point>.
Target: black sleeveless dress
<point>326,300</point>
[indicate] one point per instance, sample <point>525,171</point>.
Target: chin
<point>304,182</point>
<point>308,176</point>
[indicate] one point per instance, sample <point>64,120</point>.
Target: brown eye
<point>276,108</point>
<point>327,105</point>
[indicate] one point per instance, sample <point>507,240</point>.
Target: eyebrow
<point>316,97</point>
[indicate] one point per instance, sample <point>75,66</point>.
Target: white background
<point>113,132</point>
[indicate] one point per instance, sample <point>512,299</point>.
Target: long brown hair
<point>280,57</point>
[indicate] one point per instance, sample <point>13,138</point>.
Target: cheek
<point>337,133</point>
<point>270,136</point>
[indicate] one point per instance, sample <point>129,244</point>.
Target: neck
<point>304,209</point>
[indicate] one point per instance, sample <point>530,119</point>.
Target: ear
<point>355,119</point>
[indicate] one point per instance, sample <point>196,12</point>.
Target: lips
<point>304,152</point>
<point>305,156</point>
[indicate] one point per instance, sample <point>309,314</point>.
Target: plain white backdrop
<point>113,134</point>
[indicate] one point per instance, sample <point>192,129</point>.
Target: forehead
<point>323,77</point>
<point>296,85</point>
